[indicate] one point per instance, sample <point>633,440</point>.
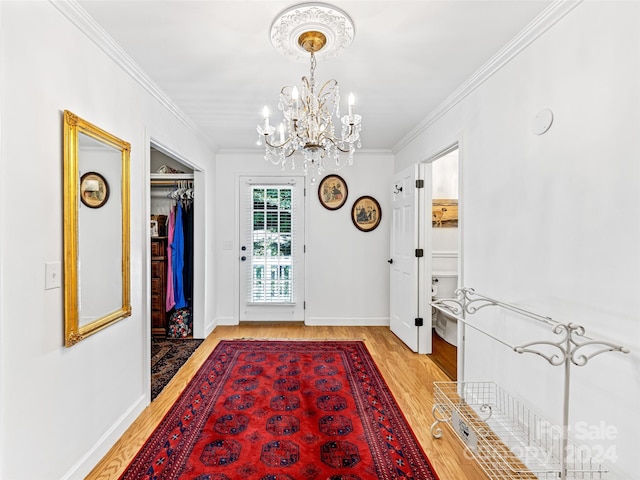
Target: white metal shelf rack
<point>509,440</point>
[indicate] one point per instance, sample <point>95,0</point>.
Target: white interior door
<point>407,292</point>
<point>271,259</point>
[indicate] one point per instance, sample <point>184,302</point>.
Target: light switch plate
<point>52,275</point>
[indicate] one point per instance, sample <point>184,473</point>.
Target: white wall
<point>552,222</point>
<point>444,241</point>
<point>62,408</point>
<point>346,269</point>
<point>444,175</point>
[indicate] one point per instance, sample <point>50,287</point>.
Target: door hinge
<point>304,305</point>
<point>419,322</point>
<point>419,183</point>
<point>304,249</point>
<point>419,252</point>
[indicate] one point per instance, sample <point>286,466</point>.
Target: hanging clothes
<point>178,260</point>
<point>171,224</point>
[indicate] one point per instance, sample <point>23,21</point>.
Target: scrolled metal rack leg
<point>435,430</point>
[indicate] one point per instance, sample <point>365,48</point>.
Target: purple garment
<point>170,301</point>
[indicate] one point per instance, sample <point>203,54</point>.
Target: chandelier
<point>311,123</point>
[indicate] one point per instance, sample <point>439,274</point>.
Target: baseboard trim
<point>210,327</point>
<point>227,321</point>
<point>90,459</point>
<point>319,322</point>
<point>347,321</point>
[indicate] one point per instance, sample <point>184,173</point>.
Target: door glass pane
<point>271,261</point>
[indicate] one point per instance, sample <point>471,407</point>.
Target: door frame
<point>299,181</point>
<point>199,236</point>
<point>457,143</point>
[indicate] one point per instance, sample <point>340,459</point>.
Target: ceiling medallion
<point>332,22</point>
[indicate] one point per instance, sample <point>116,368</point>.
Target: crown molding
<point>543,22</point>
<point>77,15</point>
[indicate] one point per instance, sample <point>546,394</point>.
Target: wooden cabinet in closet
<point>158,285</point>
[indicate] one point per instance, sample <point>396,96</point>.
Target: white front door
<point>407,301</point>
<point>271,248</point>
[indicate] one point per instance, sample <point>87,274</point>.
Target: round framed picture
<point>94,190</point>
<point>333,192</point>
<point>366,213</point>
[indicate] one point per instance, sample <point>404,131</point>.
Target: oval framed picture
<point>94,190</point>
<point>366,213</point>
<point>333,192</point>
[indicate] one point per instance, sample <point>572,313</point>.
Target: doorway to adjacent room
<point>271,259</point>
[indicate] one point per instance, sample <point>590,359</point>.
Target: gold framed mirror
<point>96,229</point>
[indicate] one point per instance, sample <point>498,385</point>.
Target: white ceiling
<point>214,59</point>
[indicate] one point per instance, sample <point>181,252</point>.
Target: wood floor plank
<point>445,356</point>
<point>410,378</point>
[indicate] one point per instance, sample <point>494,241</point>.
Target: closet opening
<point>173,309</point>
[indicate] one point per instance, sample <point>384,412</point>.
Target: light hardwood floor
<point>408,375</point>
<point>445,356</point>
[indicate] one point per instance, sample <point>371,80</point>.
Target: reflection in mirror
<point>99,230</point>
<point>96,200</point>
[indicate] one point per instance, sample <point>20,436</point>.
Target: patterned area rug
<point>284,410</point>
<point>167,356</point>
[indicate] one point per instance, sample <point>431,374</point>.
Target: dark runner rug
<point>167,356</point>
<point>284,410</point>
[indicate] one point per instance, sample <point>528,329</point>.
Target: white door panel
<point>407,270</point>
<point>271,259</point>
<point>404,267</point>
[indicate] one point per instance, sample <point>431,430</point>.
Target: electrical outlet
<point>52,275</point>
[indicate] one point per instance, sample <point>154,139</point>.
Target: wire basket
<point>508,440</point>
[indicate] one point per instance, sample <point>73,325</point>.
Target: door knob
<point>243,248</point>
<point>390,260</point>
<point>243,258</point>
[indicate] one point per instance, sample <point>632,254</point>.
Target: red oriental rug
<point>284,410</point>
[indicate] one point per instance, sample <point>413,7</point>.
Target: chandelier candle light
<point>308,112</point>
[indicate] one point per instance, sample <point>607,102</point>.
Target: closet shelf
<point>169,178</point>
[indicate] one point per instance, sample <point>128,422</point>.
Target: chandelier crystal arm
<point>274,145</point>
<point>338,146</point>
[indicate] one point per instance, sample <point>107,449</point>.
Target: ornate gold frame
<point>73,331</point>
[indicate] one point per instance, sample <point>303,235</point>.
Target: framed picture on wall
<point>333,192</point>
<point>94,190</point>
<point>366,213</point>
<point>444,212</point>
